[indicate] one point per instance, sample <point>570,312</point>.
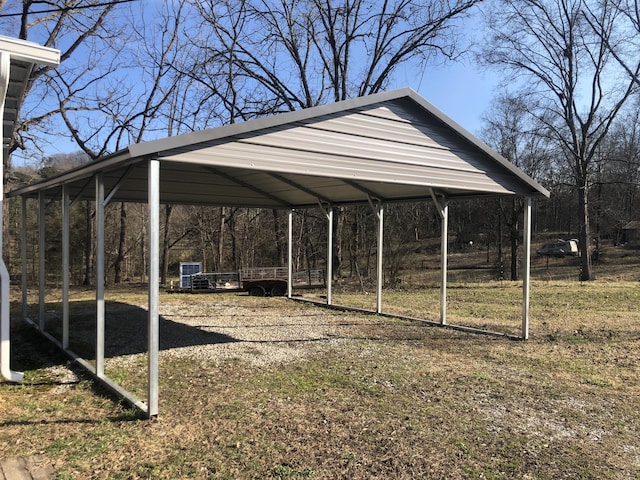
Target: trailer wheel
<point>256,291</point>
<point>278,290</point>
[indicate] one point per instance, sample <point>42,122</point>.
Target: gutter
<point>5,342</point>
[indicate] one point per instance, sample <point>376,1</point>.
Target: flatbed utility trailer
<point>258,282</point>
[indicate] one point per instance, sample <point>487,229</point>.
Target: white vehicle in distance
<point>561,248</point>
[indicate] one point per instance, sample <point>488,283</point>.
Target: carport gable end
<point>391,150</point>
<point>392,146</point>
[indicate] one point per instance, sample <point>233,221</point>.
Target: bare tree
<point>75,28</point>
<point>293,54</point>
<point>617,185</point>
<point>623,47</point>
<point>626,163</point>
<point>521,139</point>
<point>567,77</point>
<point>80,30</point>
<point>115,77</point>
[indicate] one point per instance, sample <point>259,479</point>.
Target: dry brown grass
<point>275,389</point>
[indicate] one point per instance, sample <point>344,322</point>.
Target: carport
<point>384,148</point>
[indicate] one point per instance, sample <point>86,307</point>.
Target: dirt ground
<point>270,388</point>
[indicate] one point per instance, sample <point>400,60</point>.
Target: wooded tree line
<point>567,116</point>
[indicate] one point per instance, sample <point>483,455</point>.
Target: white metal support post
<point>443,210</point>
<point>42,288</point>
<point>65,266</point>
<point>100,308</point>
<point>380,215</point>
<point>527,268</point>
<point>290,256</point>
<point>329,214</point>
<point>154,286</point>
<point>444,252</point>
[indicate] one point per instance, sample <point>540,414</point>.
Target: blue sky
<point>461,91</point>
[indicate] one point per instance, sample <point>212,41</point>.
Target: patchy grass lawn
<point>268,388</point>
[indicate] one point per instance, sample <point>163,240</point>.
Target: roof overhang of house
<point>22,56</point>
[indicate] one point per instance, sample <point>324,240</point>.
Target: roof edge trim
<point>30,52</point>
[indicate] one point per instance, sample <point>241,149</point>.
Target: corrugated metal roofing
<point>392,146</point>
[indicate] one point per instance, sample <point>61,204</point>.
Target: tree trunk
<point>164,270</point>
<point>88,246</point>
<point>220,255</point>
<point>117,266</point>
<point>309,244</point>
<point>584,236</point>
<point>499,243</point>
<point>234,244</point>
<point>277,234</point>
<point>143,253</point>
<point>515,238</point>
<point>338,221</point>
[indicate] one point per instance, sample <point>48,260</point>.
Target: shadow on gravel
<point>125,330</point>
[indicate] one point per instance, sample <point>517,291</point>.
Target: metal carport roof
<point>392,146</point>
